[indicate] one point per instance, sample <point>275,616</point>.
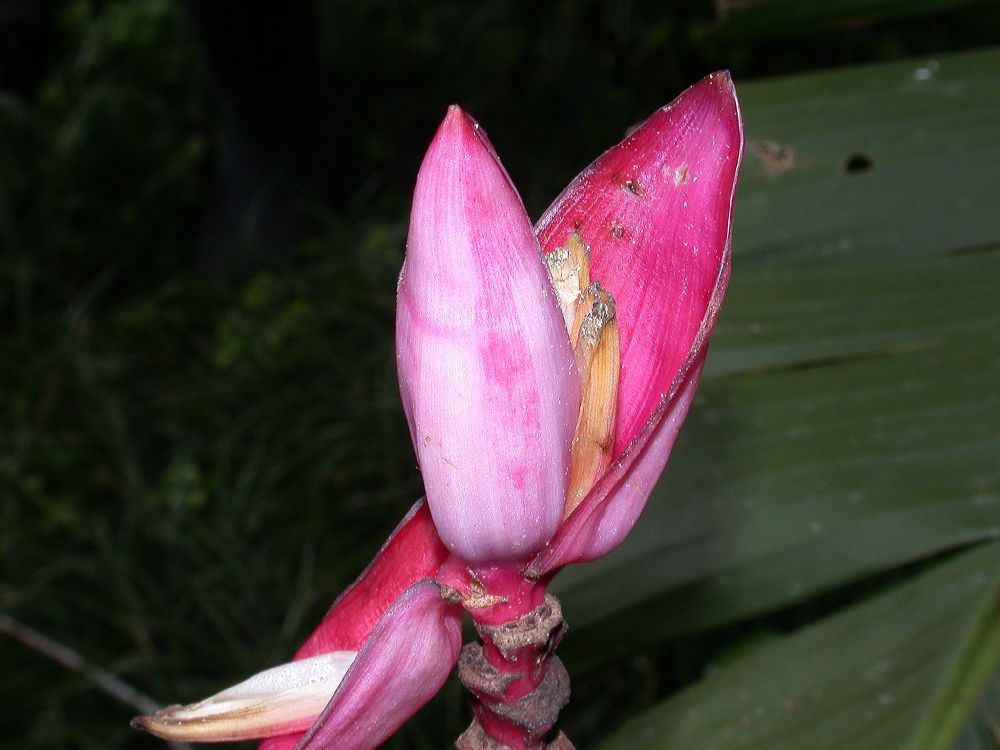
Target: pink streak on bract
<point>402,665</point>
<point>608,514</point>
<point>412,552</point>
<point>656,211</point>
<point>486,374</point>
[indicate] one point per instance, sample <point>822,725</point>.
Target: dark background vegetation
<point>202,214</point>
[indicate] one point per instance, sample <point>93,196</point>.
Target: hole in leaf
<point>857,163</point>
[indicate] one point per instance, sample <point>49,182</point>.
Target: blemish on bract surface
<point>632,187</point>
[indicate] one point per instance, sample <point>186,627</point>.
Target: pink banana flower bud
<point>545,374</point>
<point>486,371</point>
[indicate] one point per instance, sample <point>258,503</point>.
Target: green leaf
<point>817,317</point>
<point>806,473</point>
<point>881,161</point>
<point>860,679</point>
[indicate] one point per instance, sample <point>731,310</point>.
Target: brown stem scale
<point>518,685</point>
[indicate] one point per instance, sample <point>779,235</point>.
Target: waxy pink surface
<point>486,373</point>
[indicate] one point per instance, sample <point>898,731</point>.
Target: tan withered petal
<point>598,356</point>
<point>594,309</point>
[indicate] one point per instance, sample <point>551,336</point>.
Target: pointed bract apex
<point>656,211</point>
<point>486,373</point>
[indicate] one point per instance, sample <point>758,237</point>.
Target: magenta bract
<point>657,212</point>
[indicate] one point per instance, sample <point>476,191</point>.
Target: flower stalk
<point>518,684</point>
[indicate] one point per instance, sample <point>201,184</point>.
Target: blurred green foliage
<point>193,463</point>
<point>101,167</point>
